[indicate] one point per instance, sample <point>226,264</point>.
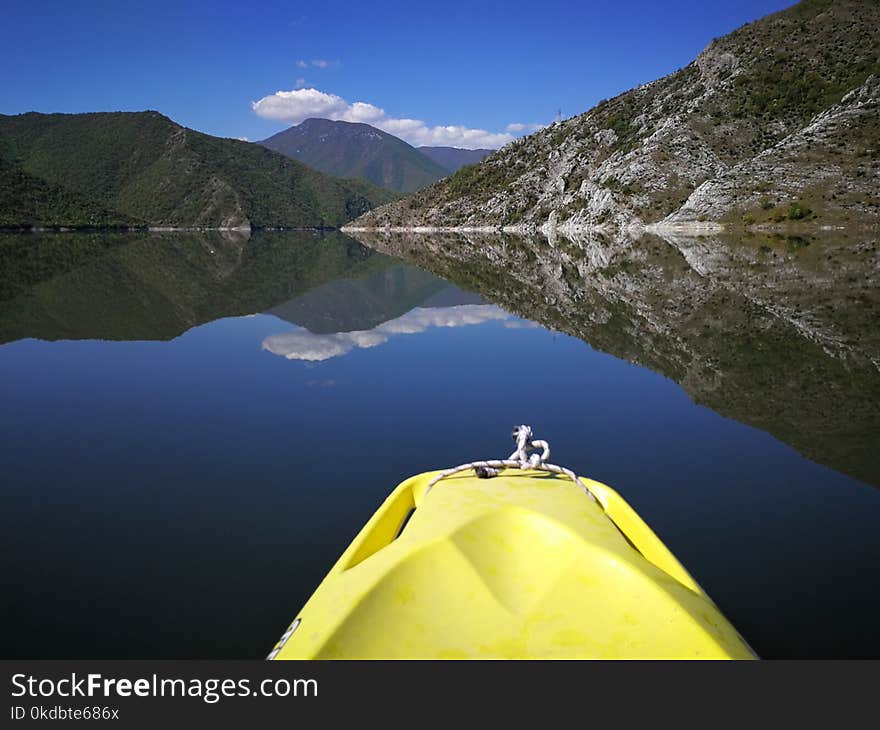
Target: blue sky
<point>473,68</point>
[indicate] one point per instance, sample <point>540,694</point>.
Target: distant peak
<point>322,122</point>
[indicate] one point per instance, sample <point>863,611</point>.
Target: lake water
<point>194,427</point>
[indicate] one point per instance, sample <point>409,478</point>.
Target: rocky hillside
<point>351,150</point>
<point>143,169</point>
<point>775,122</point>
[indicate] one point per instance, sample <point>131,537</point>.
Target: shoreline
<point>159,229</point>
<point>696,228</point>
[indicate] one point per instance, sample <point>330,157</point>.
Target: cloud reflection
<point>304,345</point>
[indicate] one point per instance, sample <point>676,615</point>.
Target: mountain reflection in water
<point>776,332</point>
<point>157,286</point>
<point>348,314</point>
<point>150,432</point>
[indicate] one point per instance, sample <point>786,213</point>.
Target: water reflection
<point>211,443</point>
<point>357,303</point>
<point>157,286</point>
<point>775,332</point>
<point>348,314</point>
<point>304,345</point>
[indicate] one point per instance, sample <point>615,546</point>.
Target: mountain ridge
<point>649,156</point>
<point>143,169</point>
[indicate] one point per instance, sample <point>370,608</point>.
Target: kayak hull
<point>522,565</point>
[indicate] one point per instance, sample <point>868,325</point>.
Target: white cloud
<point>315,63</point>
<point>518,127</point>
<point>304,345</point>
<point>297,105</point>
<point>242,139</point>
<point>300,83</point>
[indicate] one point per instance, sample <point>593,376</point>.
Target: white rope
<point>519,459</point>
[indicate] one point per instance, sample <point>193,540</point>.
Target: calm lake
<point>194,426</point>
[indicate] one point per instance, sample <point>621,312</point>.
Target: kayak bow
<point>508,559</point>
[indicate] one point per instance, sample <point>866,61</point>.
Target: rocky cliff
<point>775,123</point>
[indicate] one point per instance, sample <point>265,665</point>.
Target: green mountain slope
<point>28,201</point>
<point>782,112</point>
<point>346,149</point>
<point>144,167</point>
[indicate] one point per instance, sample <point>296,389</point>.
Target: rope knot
<point>518,459</point>
<point>524,443</point>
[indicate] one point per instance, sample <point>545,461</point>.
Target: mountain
<point>351,150</point>
<point>141,168</point>
<point>775,123</point>
<point>454,158</point>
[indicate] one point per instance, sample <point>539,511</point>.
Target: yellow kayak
<point>491,560</point>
